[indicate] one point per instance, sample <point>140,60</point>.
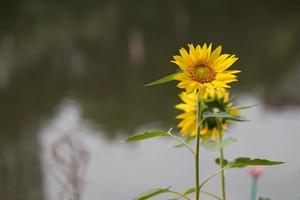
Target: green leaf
<point>244,162</point>
<point>214,146</point>
<point>146,135</point>
<point>189,191</point>
<point>223,115</point>
<point>244,107</point>
<point>162,80</point>
<point>226,141</point>
<point>152,193</point>
<point>225,162</point>
<point>209,145</point>
<point>187,140</point>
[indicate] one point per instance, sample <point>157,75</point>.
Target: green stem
<point>211,194</point>
<point>222,164</point>
<point>197,163</point>
<point>181,141</point>
<point>179,194</point>
<point>222,175</point>
<point>211,176</point>
<point>197,179</point>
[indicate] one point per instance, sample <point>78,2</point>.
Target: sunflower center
<point>203,74</point>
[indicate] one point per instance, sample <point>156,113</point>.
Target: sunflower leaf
<point>162,80</point>
<point>214,146</point>
<point>244,162</point>
<point>209,145</point>
<point>244,107</point>
<point>189,191</point>
<point>223,115</point>
<point>152,193</point>
<point>146,135</point>
<point>225,162</point>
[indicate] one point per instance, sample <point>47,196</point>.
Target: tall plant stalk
<point>253,188</point>
<point>222,164</point>
<point>197,145</point>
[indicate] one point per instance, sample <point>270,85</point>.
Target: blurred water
<point>117,170</point>
<point>72,67</point>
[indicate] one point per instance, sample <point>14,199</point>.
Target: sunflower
<point>217,103</point>
<point>204,69</point>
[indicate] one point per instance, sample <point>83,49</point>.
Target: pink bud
<point>256,171</point>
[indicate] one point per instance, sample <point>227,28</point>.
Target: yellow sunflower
<point>217,103</point>
<point>205,69</point>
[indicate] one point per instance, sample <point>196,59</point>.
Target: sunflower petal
<point>215,54</point>
<point>226,63</point>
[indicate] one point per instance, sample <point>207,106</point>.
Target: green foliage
<point>185,193</point>
<point>223,115</point>
<point>152,193</point>
<point>244,107</point>
<point>162,80</point>
<point>225,162</point>
<point>244,162</point>
<point>146,135</point>
<point>261,198</point>
<point>189,191</point>
<point>212,145</point>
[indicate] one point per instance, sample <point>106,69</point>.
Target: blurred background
<point>71,90</point>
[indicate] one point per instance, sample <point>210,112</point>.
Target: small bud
<point>256,171</point>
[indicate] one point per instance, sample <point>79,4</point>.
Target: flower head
<point>219,102</point>
<point>205,69</point>
<point>256,171</point>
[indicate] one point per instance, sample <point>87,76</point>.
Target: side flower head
<point>204,69</point>
<point>256,171</point>
<point>219,102</point>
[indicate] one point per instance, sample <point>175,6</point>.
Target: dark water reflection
<point>101,54</point>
